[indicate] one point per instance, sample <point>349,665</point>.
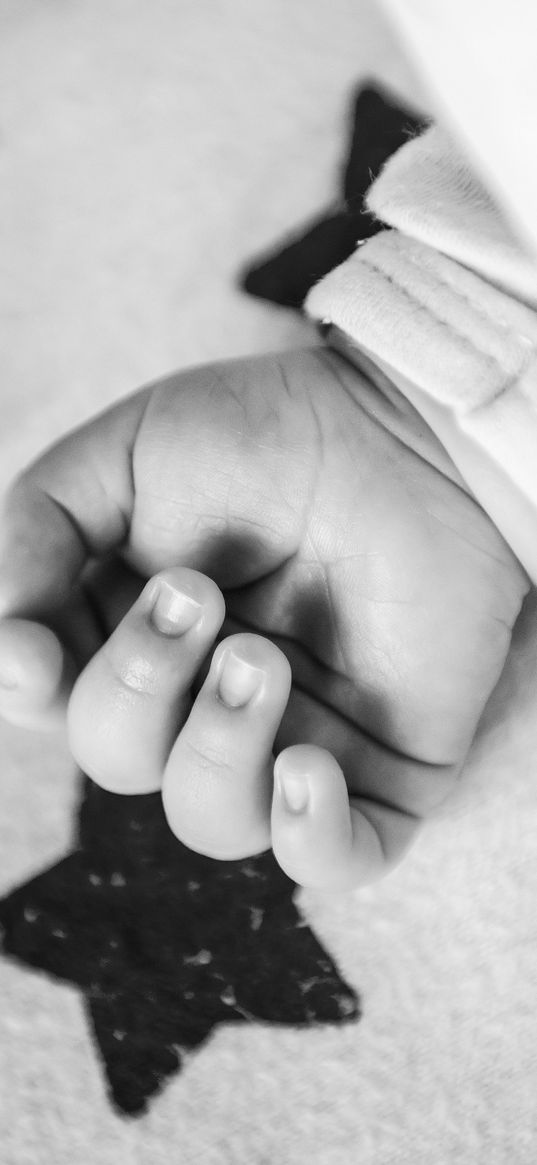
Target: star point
<point>166,945</point>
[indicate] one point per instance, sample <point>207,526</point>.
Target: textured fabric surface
<point>380,126</point>
<point>435,304</point>
<point>478,57</point>
<point>431,193</point>
<point>148,152</point>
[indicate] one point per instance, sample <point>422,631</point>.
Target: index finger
<point>74,503</point>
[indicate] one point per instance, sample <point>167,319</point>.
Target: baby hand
<point>340,535</point>
<point>135,727</point>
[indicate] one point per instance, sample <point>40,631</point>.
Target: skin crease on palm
<point>328,515</point>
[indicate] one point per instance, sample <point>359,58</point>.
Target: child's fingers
<point>217,787</point>
<point>36,675</point>
<point>318,837</point>
<point>132,698</point>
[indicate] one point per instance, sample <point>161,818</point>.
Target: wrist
<point>462,353</point>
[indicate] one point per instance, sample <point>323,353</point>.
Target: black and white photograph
<point>268,571</point>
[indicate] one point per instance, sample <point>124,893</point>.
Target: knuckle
<point>132,673</point>
<point>206,758</point>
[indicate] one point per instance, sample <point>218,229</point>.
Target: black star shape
<point>166,944</point>
<point>380,125</point>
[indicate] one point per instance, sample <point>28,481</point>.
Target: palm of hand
<point>383,581</point>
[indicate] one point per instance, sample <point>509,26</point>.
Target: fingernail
<point>294,791</point>
<point>238,680</point>
<point>174,612</point>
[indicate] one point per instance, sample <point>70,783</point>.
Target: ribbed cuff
<point>463,352</point>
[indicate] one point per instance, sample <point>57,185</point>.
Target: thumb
<point>74,503</point>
